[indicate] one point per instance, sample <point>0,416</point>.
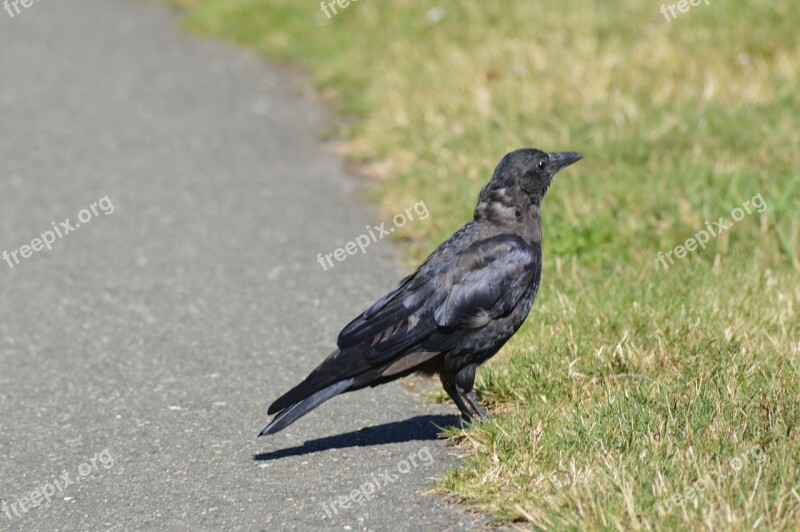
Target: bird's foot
<point>476,406</point>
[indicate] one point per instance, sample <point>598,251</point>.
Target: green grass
<point>629,382</point>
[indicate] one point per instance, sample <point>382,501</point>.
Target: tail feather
<point>294,412</point>
<point>338,366</point>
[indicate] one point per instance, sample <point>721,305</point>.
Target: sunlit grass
<point>629,382</point>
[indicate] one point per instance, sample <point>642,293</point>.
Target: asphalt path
<point>187,194</point>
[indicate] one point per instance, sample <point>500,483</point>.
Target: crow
<point>457,309</point>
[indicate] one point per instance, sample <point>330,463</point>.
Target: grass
<point>629,382</point>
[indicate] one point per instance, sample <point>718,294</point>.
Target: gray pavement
<point>139,355</point>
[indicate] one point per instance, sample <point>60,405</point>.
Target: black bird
<point>457,310</point>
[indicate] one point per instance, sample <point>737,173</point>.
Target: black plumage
<point>457,309</point>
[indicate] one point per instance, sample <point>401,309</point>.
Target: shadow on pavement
<point>418,428</point>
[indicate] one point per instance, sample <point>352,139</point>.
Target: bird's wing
<point>482,282</point>
<point>442,255</point>
<point>496,279</point>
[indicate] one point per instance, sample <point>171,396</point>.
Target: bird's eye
<point>542,164</point>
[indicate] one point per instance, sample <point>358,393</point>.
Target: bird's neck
<point>514,213</point>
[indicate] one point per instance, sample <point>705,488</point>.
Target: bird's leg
<point>464,381</point>
<point>476,406</point>
<point>452,391</point>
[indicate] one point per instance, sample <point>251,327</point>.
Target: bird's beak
<point>563,159</point>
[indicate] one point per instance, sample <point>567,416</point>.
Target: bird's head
<point>520,181</point>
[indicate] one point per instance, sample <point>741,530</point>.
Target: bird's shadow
<point>420,428</point>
